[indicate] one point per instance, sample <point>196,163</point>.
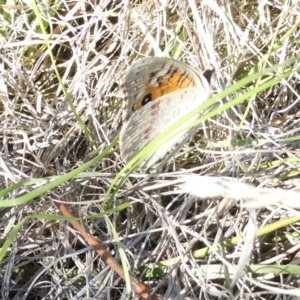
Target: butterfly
<point>158,92</point>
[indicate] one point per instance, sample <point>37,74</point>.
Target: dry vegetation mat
<point>217,220</point>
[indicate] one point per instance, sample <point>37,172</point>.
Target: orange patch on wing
<point>177,81</point>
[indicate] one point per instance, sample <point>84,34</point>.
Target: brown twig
<point>139,287</point>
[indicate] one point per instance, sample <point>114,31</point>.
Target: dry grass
<point>181,247</point>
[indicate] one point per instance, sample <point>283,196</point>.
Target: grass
<point>62,66</point>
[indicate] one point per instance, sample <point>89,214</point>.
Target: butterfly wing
<point>153,77</point>
<point>154,118</point>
